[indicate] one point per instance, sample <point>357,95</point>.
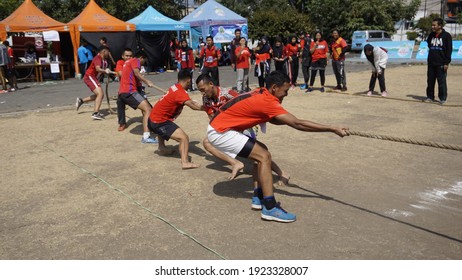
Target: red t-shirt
<point>119,65</point>
<point>11,55</point>
<point>302,43</point>
<point>210,54</point>
<point>187,59</point>
<point>320,51</point>
<point>211,105</point>
<point>247,110</point>
<point>337,46</point>
<point>261,57</point>
<point>128,81</point>
<point>243,61</point>
<point>169,106</point>
<point>97,60</point>
<point>291,49</point>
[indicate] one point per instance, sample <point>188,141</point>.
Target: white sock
<point>146,135</point>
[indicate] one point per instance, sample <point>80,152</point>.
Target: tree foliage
<point>350,15</point>
<point>66,10</point>
<point>265,17</point>
<point>7,7</point>
<point>425,24</point>
<point>279,25</point>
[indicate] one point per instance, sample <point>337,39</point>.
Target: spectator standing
<point>82,53</point>
<point>439,56</point>
<point>233,45</point>
<point>211,55</point>
<point>338,49</point>
<point>279,56</point>
<point>319,50</point>
<point>306,63</point>
<point>262,60</point>
<point>242,65</point>
<point>198,52</point>
<point>187,60</point>
<point>377,58</point>
<point>292,52</point>
<point>10,71</point>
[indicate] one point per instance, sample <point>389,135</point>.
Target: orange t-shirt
<point>320,51</point>
<point>291,49</point>
<point>210,54</point>
<point>169,106</point>
<point>247,110</point>
<point>261,57</point>
<point>243,61</point>
<point>337,46</point>
<point>120,65</point>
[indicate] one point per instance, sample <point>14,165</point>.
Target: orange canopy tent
<point>29,18</point>
<point>95,19</point>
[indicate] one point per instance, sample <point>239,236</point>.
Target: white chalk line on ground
<point>131,199</point>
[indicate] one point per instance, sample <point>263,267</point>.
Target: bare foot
<point>283,179</point>
<point>236,168</point>
<point>189,165</point>
<point>165,151</point>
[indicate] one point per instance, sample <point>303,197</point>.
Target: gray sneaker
<point>78,103</point>
<point>97,116</point>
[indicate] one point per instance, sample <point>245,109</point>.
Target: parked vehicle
<point>361,37</point>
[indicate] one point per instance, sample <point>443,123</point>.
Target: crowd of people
<point>234,115</point>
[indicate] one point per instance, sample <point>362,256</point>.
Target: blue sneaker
<point>277,214</point>
<point>149,140</point>
<point>310,89</point>
<point>322,89</point>
<point>256,203</point>
<point>302,87</point>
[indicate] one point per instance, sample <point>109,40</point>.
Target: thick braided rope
<point>406,140</point>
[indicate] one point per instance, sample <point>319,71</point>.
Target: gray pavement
<point>54,94</point>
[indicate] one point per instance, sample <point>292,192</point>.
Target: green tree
<point>280,23</point>
<point>350,15</point>
<point>66,10</point>
<point>7,7</point>
<point>425,24</point>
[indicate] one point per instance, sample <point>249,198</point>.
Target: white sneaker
<point>78,103</point>
<point>369,93</point>
<point>384,93</point>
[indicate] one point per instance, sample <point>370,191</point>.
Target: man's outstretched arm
<point>308,126</point>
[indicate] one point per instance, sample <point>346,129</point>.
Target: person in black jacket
<point>306,63</point>
<point>439,56</point>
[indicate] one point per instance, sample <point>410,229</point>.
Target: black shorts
<point>164,130</point>
<point>132,99</point>
<point>247,149</point>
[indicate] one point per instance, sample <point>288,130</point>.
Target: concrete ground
<point>73,188</point>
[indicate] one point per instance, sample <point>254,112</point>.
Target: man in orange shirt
<point>247,110</point>
<point>166,110</point>
<point>338,49</point>
<point>210,55</point>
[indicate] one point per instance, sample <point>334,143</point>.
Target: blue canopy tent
<point>212,18</point>
<point>153,35</point>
